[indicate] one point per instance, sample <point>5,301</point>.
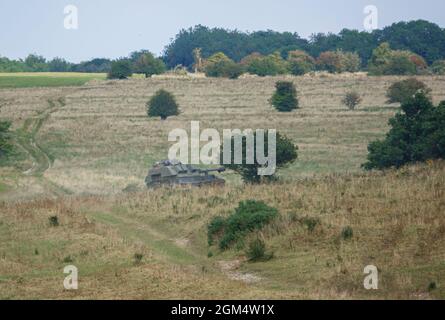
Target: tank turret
<point>173,172</point>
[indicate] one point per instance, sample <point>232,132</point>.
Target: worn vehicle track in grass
<point>25,138</point>
<point>170,250</point>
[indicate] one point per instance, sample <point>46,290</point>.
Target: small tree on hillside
<point>403,90</point>
<point>148,65</point>
<point>352,99</point>
<point>286,153</point>
<point>162,104</point>
<point>120,69</point>
<point>285,97</point>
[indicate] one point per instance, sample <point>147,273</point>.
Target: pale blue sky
<point>112,28</point>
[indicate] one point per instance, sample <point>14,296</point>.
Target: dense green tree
<point>36,63</point>
<point>285,97</point>
<point>417,134</point>
<point>98,65</point>
<point>163,104</point>
<point>59,65</point>
<point>286,153</point>
<point>148,65</point>
<point>402,91</point>
<point>120,69</point>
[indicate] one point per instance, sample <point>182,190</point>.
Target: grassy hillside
<point>397,219</point>
<point>80,147</point>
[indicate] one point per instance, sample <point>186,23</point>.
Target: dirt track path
<point>26,138</point>
<point>173,251</point>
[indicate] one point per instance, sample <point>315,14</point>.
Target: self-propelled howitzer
<point>172,172</point>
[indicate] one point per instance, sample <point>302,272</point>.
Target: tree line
<point>403,48</point>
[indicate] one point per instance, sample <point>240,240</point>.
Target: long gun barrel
<point>207,171</point>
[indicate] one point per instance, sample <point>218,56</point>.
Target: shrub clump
<point>53,221</point>
<point>417,134</point>
<point>352,99</point>
<point>300,62</point>
<point>257,251</point>
<point>163,104</point>
<point>219,65</point>
<point>403,90</point>
<point>138,258</point>
<point>385,61</point>
<point>250,215</point>
<point>338,61</point>
<point>310,223</point>
<point>438,67</point>
<point>347,233</point>
<point>270,65</point>
<point>120,69</point>
<point>285,97</point>
<point>149,65</point>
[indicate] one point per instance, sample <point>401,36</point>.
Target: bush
<point>250,215</point>
<point>215,226</point>
<point>416,134</point>
<point>219,65</point>
<point>347,233</point>
<point>339,61</point>
<point>352,99</point>
<point>5,139</point>
<point>285,97</point>
<point>329,61</point>
<point>257,251</point>
<point>311,223</point>
<point>438,67</point>
<point>148,65</point>
<point>138,258</point>
<point>120,69</point>
<point>270,65</point>
<point>286,152</point>
<point>300,62</point>
<point>403,90</point>
<point>385,61</point>
<point>162,104</point>
<point>53,221</point>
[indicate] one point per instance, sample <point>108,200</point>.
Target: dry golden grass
<point>397,219</point>
<point>101,141</point>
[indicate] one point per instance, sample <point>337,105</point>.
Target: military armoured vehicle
<point>173,172</point>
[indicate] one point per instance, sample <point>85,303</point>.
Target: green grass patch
<point>47,79</point>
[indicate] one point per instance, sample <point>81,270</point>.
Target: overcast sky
<point>112,28</point>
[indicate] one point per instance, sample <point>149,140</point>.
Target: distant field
<point>46,79</point>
